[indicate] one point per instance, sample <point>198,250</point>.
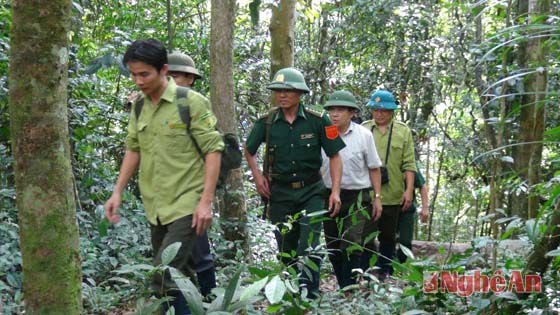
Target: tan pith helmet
<point>177,61</point>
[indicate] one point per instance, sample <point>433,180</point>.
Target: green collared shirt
<point>171,176</point>
<point>296,147</point>
<point>401,158</point>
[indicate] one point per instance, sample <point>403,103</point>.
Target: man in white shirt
<point>360,172</point>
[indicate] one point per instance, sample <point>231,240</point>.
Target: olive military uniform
<point>408,218</point>
<point>296,184</point>
<point>401,159</point>
<point>171,175</point>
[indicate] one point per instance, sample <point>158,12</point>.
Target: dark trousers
<point>162,236</point>
<point>387,227</point>
<point>302,234</point>
<point>343,234</point>
<point>204,264</point>
<point>406,231</point>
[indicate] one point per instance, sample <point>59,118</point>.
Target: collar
<point>170,90</point>
<point>300,113</point>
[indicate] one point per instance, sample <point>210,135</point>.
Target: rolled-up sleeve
<point>131,141</point>
<point>408,161</point>
<point>203,125</point>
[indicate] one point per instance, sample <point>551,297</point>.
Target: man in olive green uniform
<point>183,70</point>
<point>407,218</point>
<point>177,186</point>
<point>395,146</point>
<point>294,140</point>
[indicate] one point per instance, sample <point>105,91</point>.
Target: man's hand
<point>202,217</point>
<point>112,208</point>
<point>406,200</point>
<point>424,215</point>
<point>262,185</point>
<point>334,204</point>
<point>377,209</point>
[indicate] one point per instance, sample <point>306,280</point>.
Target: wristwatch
<point>377,195</point>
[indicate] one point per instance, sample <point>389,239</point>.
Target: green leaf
<point>189,290</point>
<point>415,312</point>
<point>103,227</point>
<point>274,290</point>
<point>231,288</point>
<point>553,253</point>
<point>253,289</point>
<point>134,268</point>
<point>169,253</point>
<point>408,253</point>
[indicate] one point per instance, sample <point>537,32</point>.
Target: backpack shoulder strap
<point>138,104</point>
<point>185,114</point>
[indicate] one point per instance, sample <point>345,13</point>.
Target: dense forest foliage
<point>477,81</point>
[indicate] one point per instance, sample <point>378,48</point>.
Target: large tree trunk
<point>282,35</point>
<point>232,206</point>
<point>532,111</point>
<point>49,237</point>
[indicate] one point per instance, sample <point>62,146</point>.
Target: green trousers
<point>164,235</point>
<point>406,231</point>
<point>298,232</point>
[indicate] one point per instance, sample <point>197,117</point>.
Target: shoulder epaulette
<point>401,123</point>
<point>268,112</point>
<point>314,112</point>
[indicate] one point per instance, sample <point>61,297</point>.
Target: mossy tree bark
<point>49,236</point>
<point>232,202</point>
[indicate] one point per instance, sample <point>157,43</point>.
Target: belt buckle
<point>297,185</point>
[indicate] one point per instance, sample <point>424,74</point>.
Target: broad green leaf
<point>408,253</point>
<point>189,291</point>
<point>254,289</point>
<point>274,290</point>
<point>231,288</point>
<point>169,253</point>
<point>553,253</point>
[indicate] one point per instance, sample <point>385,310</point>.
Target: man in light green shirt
<point>176,184</point>
<point>395,147</point>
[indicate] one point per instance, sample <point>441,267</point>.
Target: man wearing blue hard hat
<point>393,140</point>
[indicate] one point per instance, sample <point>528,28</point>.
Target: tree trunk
<point>282,35</point>
<point>49,236</point>
<point>532,111</point>
<point>232,206</point>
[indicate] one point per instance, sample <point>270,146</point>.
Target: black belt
<point>300,183</point>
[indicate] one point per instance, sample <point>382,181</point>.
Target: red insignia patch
<point>332,132</point>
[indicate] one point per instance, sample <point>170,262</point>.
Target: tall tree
<point>39,128</point>
<point>232,207</point>
<point>282,35</point>
<point>532,112</point>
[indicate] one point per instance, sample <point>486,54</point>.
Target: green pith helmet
<point>288,79</point>
<point>341,98</point>
<point>382,99</point>
<point>180,62</point>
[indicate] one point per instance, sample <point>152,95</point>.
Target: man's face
<point>382,117</point>
<point>340,115</point>
<point>286,99</point>
<point>146,77</point>
<point>182,78</point>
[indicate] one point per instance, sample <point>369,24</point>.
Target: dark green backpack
<point>231,156</point>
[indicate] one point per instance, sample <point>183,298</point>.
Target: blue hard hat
<point>382,99</point>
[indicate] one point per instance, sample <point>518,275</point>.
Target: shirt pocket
<point>397,147</point>
<point>308,149</point>
<point>143,138</point>
<point>174,138</point>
